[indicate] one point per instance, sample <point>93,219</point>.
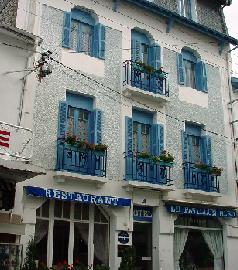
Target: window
<point>71,234</point>
<point>77,117</point>
<point>142,135</point>
<point>191,71</point>
<point>196,147</point>
<point>82,34</point>
<point>187,8</point>
<point>145,50</point>
<point>7,195</point>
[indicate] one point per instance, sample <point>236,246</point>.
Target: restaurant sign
<point>201,211</point>
<point>76,196</point>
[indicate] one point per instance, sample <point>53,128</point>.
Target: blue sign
<point>141,213</point>
<point>201,211</point>
<point>123,237</point>
<point>76,196</point>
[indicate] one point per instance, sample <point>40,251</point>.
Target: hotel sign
<point>142,213</point>
<point>76,196</point>
<point>201,211</point>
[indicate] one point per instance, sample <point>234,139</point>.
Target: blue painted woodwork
<point>115,5</point>
<point>184,137</point>
<point>98,32</point>
<point>144,170</point>
<point>142,117</point>
<point>180,68</point>
<point>96,127</point>
<point>79,101</point>
<point>76,196</point>
<point>195,178</point>
<point>82,16</point>
<point>137,77</point>
<point>193,129</point>
<point>170,23</point>
<point>157,9</point>
<point>201,77</point>
<point>157,139</point>
<point>81,161</point>
<point>66,30</point>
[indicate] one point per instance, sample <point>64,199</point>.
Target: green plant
<point>71,140</point>
<point>101,147</point>
<point>165,156</point>
<point>29,262</point>
<point>155,159</point>
<point>143,155</point>
<point>216,171</point>
<point>128,259</point>
<point>202,166</point>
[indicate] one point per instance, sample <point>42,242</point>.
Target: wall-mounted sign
<point>141,213</point>
<point>201,211</point>
<point>123,237</point>
<point>76,196</point>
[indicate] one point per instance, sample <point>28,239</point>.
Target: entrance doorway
<point>196,254</point>
<point>142,242</point>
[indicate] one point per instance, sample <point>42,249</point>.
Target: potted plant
<point>161,74</point>
<point>101,149</point>
<point>216,171</point>
<point>202,166</point>
<point>143,156</point>
<point>70,140</point>
<point>166,159</point>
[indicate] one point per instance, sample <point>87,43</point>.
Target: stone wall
<point>8,12</point>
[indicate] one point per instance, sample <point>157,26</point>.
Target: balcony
<point>11,256</point>
<point>81,161</point>
<point>144,83</point>
<point>147,171</point>
<point>200,179</point>
<point>15,153</point>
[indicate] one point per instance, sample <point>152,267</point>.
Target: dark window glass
<point>45,209</point>
<point>66,209</point>
<point>101,244</point>
<point>41,236</point>
<point>189,74</point>
<point>60,241</point>
<point>58,208</point>
<point>81,243</point>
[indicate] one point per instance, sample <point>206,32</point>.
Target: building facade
<point>133,130</point>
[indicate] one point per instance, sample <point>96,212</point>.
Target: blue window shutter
<point>79,33</point>
<point>206,150</point>
<point>204,79</point>
<point>99,41</point>
<point>135,50</point>
<point>102,37</point>
<point>66,30</point>
<point>161,138</point>
<point>199,76</point>
<point>180,69</point>
<point>155,56</point>
<point>185,146</point>
<point>129,135</point>
<point>96,41</point>
<point>95,126</point>
<point>62,121</point>
<point>157,139</point>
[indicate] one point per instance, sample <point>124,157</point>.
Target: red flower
<point>65,262</point>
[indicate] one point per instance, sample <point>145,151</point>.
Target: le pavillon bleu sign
<point>201,211</point>
<point>76,196</point>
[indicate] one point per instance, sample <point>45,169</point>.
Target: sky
<point>231,14</point>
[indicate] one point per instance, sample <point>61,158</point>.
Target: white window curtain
<point>41,230</point>
<point>101,248</point>
<point>180,238</point>
<point>215,244</point>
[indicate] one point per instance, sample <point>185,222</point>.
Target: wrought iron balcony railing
<point>88,162</point>
<point>196,178</point>
<point>136,76</point>
<point>145,170</point>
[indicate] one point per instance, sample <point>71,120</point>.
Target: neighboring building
<point>108,87</point>
<point>16,50</point>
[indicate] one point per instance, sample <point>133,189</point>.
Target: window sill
<point>62,176</point>
<point>83,62</point>
<point>201,195</point>
<point>135,92</point>
<point>130,185</point>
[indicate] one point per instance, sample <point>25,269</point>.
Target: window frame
<point>193,9</point>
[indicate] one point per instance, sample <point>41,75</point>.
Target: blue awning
<point>76,196</point>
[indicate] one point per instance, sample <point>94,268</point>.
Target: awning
<point>200,210</point>
<point>76,196</point>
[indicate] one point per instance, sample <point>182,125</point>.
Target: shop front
<point>198,236</point>
<point>73,227</point>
